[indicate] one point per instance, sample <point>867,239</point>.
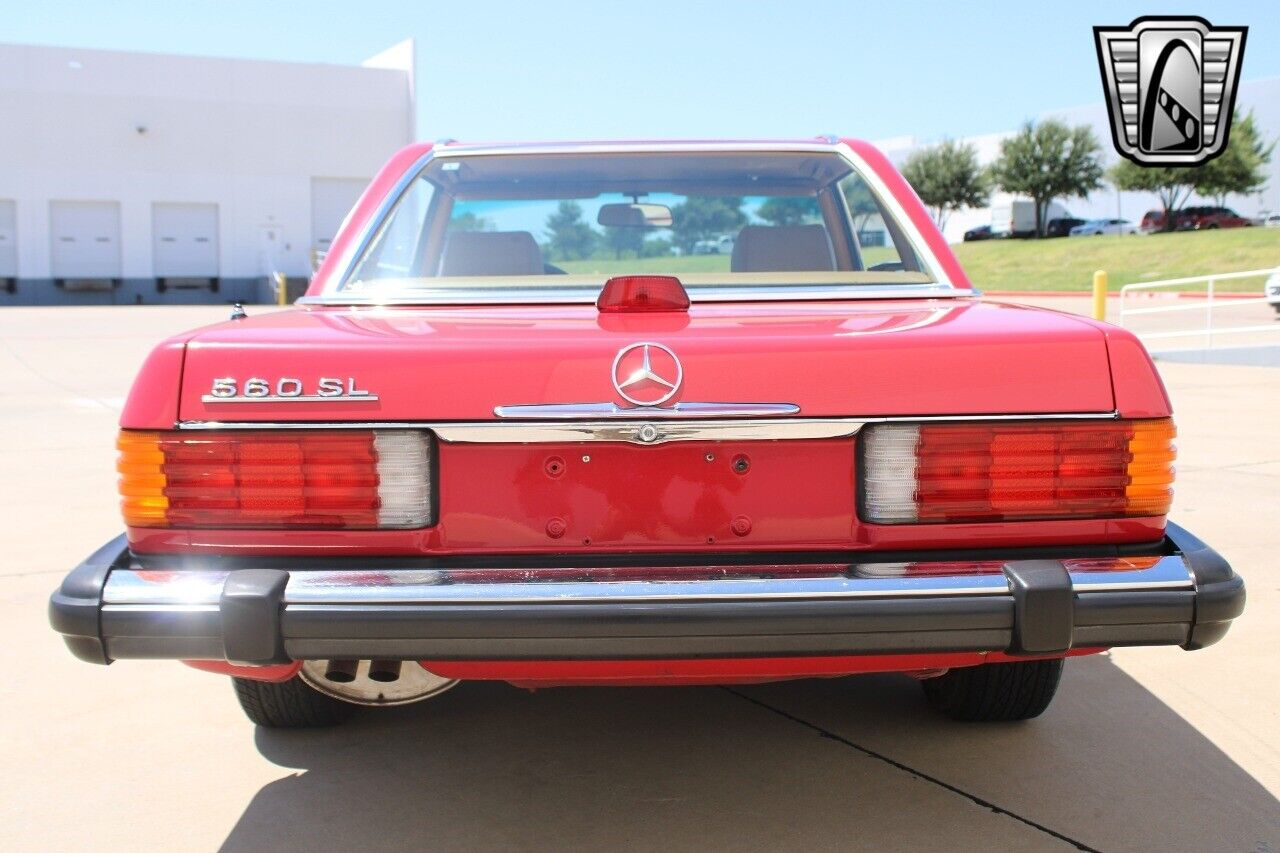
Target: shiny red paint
<point>643,673</point>
<point>153,400</point>
<point>866,537</point>
<point>1136,384</point>
<point>891,357</point>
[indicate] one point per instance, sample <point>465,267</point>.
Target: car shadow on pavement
<point>819,764</point>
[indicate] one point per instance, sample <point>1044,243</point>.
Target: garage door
<point>8,239</point>
<point>86,239</point>
<point>184,240</point>
<point>331,200</point>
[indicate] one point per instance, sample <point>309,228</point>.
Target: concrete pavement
<point>1143,749</point>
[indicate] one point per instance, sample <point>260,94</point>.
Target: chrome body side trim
<point>639,429</point>
<point>940,287</point>
<point>194,591</point>
<point>588,411</point>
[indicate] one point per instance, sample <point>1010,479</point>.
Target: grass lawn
<point>1068,263</point>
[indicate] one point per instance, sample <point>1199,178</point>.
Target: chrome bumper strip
<point>126,587</point>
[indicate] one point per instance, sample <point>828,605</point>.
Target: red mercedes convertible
<point>526,426</point>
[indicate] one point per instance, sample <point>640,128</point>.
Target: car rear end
<point>814,459</point>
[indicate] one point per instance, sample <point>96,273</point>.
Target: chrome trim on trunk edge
<point>642,428</point>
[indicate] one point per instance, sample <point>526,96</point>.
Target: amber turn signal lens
<point>1016,471</point>
<point>142,480</point>
<point>277,479</point>
<point>1150,469</point>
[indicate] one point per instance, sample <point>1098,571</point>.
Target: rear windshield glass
<point>566,222</point>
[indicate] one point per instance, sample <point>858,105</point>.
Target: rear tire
<point>289,704</point>
<point>995,692</point>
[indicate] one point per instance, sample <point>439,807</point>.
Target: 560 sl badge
<point>287,389</point>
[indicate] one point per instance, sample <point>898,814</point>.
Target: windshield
<point>529,225</point>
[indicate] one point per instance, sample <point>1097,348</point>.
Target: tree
<point>571,238</point>
<point>1171,184</point>
<point>701,217</point>
<point>1047,161</point>
<point>469,221</point>
<point>789,210</point>
<point>1240,169</point>
<point>624,239</point>
<point>655,247</point>
<point>862,204</point>
<point>947,177</point>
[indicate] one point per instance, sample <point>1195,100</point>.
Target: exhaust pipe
<point>342,671</point>
<point>384,671</point>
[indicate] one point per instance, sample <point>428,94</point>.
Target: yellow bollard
<point>282,289</point>
<point>1100,295</point>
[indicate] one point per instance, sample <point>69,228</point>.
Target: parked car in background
<point>1104,226</point>
<point>1018,217</point>
<point>719,246</point>
<point>457,461</point>
<point>1196,218</point>
<point>983,232</point>
<point>1271,220</point>
<point>1206,218</point>
<point>1062,226</point>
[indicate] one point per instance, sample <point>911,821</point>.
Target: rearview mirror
<point>634,215</point>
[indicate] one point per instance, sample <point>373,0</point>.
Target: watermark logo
<point>1171,87</point>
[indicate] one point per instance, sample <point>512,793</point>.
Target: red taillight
<point>276,479</point>
<point>1002,471</point>
<point>642,293</point>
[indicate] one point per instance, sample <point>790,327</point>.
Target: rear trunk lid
<point>904,357</point>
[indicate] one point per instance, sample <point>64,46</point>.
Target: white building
<point>133,177</point>
<point>1260,96</point>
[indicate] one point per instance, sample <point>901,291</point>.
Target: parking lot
<point>1143,749</point>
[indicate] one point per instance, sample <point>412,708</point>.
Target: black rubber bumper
<point>1040,614</point>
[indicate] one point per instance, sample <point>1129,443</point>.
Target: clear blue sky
<point>544,69</point>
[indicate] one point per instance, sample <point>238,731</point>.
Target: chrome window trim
<point>940,287</point>
<point>642,429</point>
<point>699,295</point>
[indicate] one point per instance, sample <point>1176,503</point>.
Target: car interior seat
<point>782,248</point>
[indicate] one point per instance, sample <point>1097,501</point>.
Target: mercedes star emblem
<point>647,374</point>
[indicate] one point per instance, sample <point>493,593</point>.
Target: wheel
<point>289,704</point>
<point>995,692</point>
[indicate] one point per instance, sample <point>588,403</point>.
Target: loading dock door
<point>184,240</point>
<point>8,240</point>
<point>331,200</point>
<point>86,239</point>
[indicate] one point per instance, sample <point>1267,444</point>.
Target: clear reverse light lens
<point>404,477</point>
<point>890,472</point>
